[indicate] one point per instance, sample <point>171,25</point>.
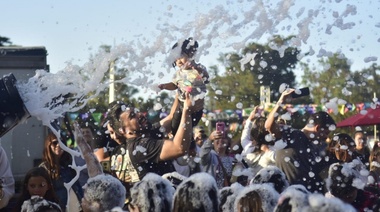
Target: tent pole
<point>375,126</point>
<point>375,132</point>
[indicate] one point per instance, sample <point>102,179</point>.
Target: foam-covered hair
<point>272,175</point>
<point>227,196</point>
<point>37,203</point>
<point>183,48</point>
<point>174,178</point>
<point>104,192</point>
<point>269,196</point>
<point>153,193</point>
<point>293,199</point>
<point>198,192</point>
<point>318,202</point>
<point>346,176</point>
<point>188,47</point>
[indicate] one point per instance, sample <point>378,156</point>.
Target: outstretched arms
<point>93,166</point>
<point>270,123</point>
<point>182,139</point>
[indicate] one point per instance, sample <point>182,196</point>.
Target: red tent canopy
<point>369,117</point>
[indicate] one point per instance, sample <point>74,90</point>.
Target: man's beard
<point>145,130</point>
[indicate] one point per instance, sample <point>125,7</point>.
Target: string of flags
<point>220,114</point>
<point>300,108</point>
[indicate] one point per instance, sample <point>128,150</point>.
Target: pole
<point>112,83</point>
<point>375,126</point>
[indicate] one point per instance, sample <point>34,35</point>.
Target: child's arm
<point>168,86</point>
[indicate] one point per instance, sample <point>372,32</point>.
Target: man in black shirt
<point>304,158</point>
<point>150,154</point>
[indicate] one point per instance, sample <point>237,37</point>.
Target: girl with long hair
<point>37,182</point>
<point>56,162</point>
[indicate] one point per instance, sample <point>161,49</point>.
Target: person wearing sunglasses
<point>56,161</point>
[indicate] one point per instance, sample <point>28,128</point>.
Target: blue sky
<point>73,30</point>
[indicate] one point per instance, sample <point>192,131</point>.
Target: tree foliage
<point>328,82</point>
<point>4,41</point>
<point>257,65</point>
<point>335,79</point>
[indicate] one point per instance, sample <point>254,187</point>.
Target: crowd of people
<point>176,165</point>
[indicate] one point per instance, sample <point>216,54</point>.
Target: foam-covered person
<point>197,193</point>
<point>151,154</point>
<point>271,175</point>
<point>346,183</point>
<point>190,77</point>
<point>39,204</point>
<point>152,193</point>
<point>303,157</point>
<point>227,196</point>
<point>102,192</point>
<point>256,198</point>
<point>37,182</point>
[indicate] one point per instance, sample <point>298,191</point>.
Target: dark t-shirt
<point>145,153</point>
<point>301,160</point>
<point>103,141</point>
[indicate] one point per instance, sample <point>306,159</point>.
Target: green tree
<point>257,65</point>
<point>328,82</point>
<point>4,41</point>
<point>370,83</point>
<point>336,80</point>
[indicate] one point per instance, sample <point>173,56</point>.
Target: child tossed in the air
<point>191,77</point>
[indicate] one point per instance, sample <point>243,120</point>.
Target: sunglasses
<point>55,143</point>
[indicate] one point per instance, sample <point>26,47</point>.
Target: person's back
<point>293,160</point>
<point>303,158</point>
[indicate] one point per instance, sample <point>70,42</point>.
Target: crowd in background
<point>130,164</point>
<point>273,168</point>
